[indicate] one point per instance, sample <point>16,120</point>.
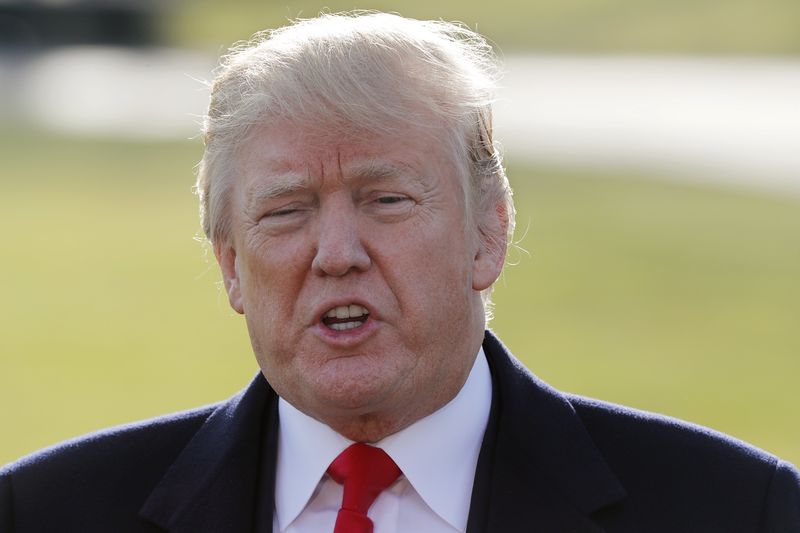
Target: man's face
<point>358,272</point>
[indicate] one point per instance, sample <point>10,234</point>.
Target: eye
<point>285,210</point>
<point>285,214</point>
<point>388,200</point>
<point>282,212</point>
<point>388,206</point>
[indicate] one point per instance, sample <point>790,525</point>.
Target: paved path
<point>108,92</point>
<point>732,120</point>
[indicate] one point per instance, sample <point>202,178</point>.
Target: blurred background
<point>654,148</point>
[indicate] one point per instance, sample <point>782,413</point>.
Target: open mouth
<point>344,317</point>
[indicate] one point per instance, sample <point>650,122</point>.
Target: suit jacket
<point>549,463</point>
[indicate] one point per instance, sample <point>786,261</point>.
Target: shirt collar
<point>306,447</point>
<point>438,454</point>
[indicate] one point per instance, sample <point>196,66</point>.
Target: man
<point>359,212</point>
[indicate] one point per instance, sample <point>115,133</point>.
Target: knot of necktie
<point>365,472</point>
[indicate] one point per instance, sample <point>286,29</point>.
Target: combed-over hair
<point>358,72</point>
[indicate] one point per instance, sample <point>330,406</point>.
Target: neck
<point>375,426</point>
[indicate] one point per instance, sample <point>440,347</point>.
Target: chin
<point>354,396</point>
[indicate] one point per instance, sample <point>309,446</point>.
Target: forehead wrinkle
<point>376,171</point>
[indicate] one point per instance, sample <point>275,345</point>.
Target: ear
<point>492,244</point>
<point>229,265</point>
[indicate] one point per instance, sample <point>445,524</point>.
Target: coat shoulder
<point>658,436</point>
<point>635,471</point>
<point>694,470</point>
<point>152,437</point>
<point>112,471</point>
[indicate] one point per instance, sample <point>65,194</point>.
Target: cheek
<point>272,273</point>
<point>429,267</point>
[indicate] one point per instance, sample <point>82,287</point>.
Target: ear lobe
<point>492,244</point>
<point>229,265</point>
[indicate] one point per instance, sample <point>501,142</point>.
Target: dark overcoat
<point>550,463</point>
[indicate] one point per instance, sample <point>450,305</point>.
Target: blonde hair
<point>366,72</point>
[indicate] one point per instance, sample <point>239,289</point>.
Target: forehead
<point>287,150</point>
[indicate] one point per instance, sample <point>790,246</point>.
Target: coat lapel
<point>538,469</point>
<point>221,481</point>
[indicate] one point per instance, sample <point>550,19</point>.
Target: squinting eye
<point>391,199</point>
<point>388,206</point>
<point>281,212</point>
<point>286,209</point>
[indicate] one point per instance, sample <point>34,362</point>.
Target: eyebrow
<point>372,171</point>
<point>275,186</point>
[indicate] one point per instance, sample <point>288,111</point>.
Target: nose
<point>340,249</point>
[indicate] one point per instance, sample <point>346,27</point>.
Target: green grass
<point>678,299</point>
<point>670,298</point>
<point>677,26</point>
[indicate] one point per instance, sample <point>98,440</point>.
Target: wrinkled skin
<point>379,223</point>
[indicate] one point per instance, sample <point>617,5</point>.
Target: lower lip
<point>346,337</point>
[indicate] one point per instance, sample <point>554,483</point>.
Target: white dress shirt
<point>437,455</point>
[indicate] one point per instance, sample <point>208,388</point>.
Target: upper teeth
<point>347,311</point>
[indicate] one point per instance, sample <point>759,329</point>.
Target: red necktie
<point>365,472</point>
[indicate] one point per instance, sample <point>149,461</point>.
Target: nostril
<point>337,259</point>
